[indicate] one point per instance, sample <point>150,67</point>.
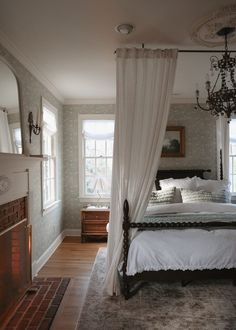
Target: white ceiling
<point>69,44</point>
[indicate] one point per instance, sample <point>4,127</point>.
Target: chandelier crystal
<point>221,96</point>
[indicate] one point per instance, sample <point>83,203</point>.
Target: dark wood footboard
<point>131,284</point>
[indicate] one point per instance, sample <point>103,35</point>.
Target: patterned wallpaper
<point>200,148</point>
<point>200,139</point>
<point>46,228</point>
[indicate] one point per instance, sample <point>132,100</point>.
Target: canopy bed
<point>191,242</point>
<point>145,80</point>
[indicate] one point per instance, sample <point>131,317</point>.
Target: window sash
<point>98,178</point>
<point>49,181</point>
<point>49,149</point>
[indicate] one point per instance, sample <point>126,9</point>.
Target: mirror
<point>10,116</point>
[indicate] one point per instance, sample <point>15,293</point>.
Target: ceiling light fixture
<point>124,28</point>
<point>221,97</point>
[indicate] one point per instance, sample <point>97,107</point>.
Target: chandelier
<point>221,96</point>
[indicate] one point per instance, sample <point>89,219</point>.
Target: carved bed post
<point>221,165</point>
<point>126,226</point>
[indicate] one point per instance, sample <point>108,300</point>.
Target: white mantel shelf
<point>7,156</point>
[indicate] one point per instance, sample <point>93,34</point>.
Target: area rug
<point>38,307</point>
<point>202,305</point>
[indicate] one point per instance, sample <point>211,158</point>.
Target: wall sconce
<point>35,128</point>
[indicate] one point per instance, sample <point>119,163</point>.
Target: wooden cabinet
<point>94,223</point>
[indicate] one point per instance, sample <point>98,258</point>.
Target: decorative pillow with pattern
<point>221,196</point>
<point>193,196</point>
<point>190,196</point>
<point>165,196</point>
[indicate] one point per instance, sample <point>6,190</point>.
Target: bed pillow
<point>199,196</point>
<point>221,196</point>
<point>165,196</point>
<point>185,183</point>
<point>212,185</point>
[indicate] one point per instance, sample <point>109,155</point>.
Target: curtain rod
<point>204,51</point>
<point>200,51</point>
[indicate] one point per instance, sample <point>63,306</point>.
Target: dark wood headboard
<point>178,174</point>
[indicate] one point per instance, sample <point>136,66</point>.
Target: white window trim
<point>233,194</point>
<point>82,197</point>
<point>49,207</point>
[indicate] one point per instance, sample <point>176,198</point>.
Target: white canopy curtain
<point>222,140</point>
<point>144,85</point>
<point>5,134</point>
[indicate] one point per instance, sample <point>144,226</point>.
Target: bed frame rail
<point>127,283</point>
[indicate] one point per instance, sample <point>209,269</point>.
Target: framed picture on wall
<point>174,142</point>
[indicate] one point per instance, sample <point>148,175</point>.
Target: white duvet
<point>187,249</point>
<point>206,207</point>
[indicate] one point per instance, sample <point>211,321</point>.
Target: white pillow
<point>185,183</point>
<point>212,185</point>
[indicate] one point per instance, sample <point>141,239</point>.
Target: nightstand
<point>93,222</point>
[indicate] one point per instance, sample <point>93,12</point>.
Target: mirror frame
<point>20,107</point>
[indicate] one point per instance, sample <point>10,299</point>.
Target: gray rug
<point>200,305</point>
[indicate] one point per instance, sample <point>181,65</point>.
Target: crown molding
<point>174,99</point>
<point>23,59</point>
<point>89,101</point>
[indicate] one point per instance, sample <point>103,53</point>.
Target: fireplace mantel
<point>7,156</point>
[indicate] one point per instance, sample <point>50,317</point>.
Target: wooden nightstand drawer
<point>93,223</point>
<point>95,215</point>
<point>96,227</point>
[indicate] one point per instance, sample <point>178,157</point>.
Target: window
<point>232,155</point>
<point>49,147</point>
<point>96,140</point>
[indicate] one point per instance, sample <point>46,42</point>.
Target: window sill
<point>96,200</point>
<point>51,207</point>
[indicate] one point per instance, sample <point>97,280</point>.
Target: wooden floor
<point>75,260</point>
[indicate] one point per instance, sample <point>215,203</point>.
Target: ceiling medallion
<point>205,31</point>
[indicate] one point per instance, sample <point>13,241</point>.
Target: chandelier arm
<point>199,106</point>
<point>212,90</point>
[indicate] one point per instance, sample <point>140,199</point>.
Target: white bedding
<point>188,249</point>
<point>207,207</point>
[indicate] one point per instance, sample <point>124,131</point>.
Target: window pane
<point>100,148</point>
<point>110,148</point>
<point>47,144</point>
<point>108,186</point>
<point>101,167</point>
<point>233,149</point>
<point>234,165</point>
<point>52,188</point>
<point>89,185</point>
<point>90,166</point>
<point>90,148</point>
<point>109,167</point>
